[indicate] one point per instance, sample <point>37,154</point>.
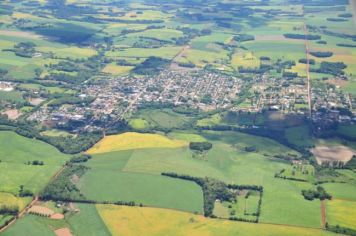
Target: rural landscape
<point>177,117</point>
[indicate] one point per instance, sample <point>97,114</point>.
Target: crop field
<point>346,191</point>
<point>246,60</point>
<point>342,213</point>
<point>161,34</point>
<point>150,190</point>
<point>132,140</point>
<point>334,153</point>
<point>277,49</point>
<point>30,225</point>
<point>87,221</point>
<point>71,52</point>
<point>150,221</point>
<point>7,199</point>
<point>116,70</point>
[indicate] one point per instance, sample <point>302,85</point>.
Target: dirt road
<point>323,213</point>
<point>353,6</point>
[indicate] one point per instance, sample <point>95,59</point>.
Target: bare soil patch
<point>21,34</point>
<point>12,114</point>
<point>41,210</point>
<point>35,101</point>
<point>274,38</point>
<point>57,216</point>
<point>72,207</point>
<point>269,37</point>
<point>63,232</point>
<point>332,153</point>
<point>338,82</point>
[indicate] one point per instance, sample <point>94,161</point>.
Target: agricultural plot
<point>16,171</point>
<point>86,221</point>
<point>132,140</point>
<point>116,70</point>
<point>30,225</point>
<point>150,190</point>
<point>150,221</point>
<point>164,52</point>
<point>245,207</point>
<point>346,191</point>
<point>342,213</point>
<point>10,200</point>
<point>332,154</point>
<point>299,172</point>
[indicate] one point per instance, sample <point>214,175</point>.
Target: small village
<point>119,97</point>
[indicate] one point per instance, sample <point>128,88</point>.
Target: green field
<point>15,152</point>
<point>342,213</point>
<point>107,178</point>
<point>85,222</point>
<point>30,225</point>
<point>151,190</point>
<point>346,191</point>
<point>164,118</point>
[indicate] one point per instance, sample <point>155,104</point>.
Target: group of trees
<point>23,49</point>
<point>321,54</point>
<point>304,61</point>
<point>332,68</point>
<point>9,210</point>
<point>25,192</point>
<point>151,66</point>
<point>303,36</point>
<point>212,190</point>
<point>80,158</point>
<point>62,188</point>
<point>319,193</point>
<point>200,146</point>
<point>340,230</point>
<point>35,163</point>
<point>243,37</point>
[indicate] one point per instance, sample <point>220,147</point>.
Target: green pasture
<point>151,190</point>
<point>30,225</point>
<point>163,118</point>
<point>15,152</point>
<point>87,221</point>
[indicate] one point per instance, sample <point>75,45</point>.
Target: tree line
<point>213,190</point>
